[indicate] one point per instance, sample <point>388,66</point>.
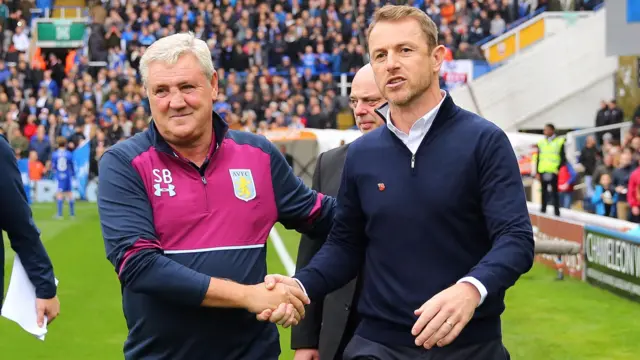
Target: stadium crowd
<point>611,167</point>
<point>279,64</point>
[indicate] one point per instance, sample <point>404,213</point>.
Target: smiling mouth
<point>179,115</point>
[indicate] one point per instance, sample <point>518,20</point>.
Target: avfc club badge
<point>243,186</point>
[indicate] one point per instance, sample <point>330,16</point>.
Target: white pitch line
<point>283,254</point>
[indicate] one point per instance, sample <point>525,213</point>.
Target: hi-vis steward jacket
<point>169,226</point>
<point>550,155</point>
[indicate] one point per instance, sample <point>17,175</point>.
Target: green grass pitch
<point>545,319</point>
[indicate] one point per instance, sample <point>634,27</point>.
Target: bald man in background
<point>329,324</point>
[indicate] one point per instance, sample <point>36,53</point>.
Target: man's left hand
<point>49,308</point>
<point>442,318</point>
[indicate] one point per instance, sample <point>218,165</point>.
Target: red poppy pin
<point>381,186</point>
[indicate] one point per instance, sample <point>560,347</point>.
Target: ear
<point>214,86</point>
<point>437,58</point>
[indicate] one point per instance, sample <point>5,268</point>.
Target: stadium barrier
<point>576,139</point>
<point>536,28</point>
<point>610,248</point>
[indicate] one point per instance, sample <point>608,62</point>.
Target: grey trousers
<point>360,348</point>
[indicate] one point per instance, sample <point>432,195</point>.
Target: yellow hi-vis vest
<point>549,154</point>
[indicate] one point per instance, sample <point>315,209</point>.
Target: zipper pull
<point>413,161</point>
<point>204,180</point>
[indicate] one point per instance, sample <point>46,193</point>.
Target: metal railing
<point>576,139</point>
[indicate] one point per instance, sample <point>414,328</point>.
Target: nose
<point>361,109</point>
<point>177,100</point>
<point>391,63</point>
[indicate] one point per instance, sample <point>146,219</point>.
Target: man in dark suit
<point>329,325</point>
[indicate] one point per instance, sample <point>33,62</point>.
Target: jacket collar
<point>220,128</point>
<point>447,110</point>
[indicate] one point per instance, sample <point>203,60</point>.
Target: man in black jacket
<point>16,220</point>
<point>329,325</point>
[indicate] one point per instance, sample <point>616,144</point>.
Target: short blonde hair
<point>169,49</point>
<point>401,12</point>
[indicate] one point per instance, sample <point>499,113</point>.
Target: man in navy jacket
<point>16,220</point>
<point>431,207</point>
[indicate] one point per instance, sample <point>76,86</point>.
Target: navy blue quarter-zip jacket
<point>17,221</point>
<point>417,225</point>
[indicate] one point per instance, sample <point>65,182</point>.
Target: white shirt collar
<point>419,129</point>
<point>422,125</point>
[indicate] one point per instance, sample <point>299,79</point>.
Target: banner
<point>613,261</point>
<point>516,39</point>
<point>60,33</point>
<point>81,166</point>
<point>548,228</point>
<point>456,73</point>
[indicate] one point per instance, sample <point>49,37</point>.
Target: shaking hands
<point>279,300</point>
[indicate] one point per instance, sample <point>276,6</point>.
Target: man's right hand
<point>280,314</point>
<point>277,298</point>
<point>307,354</point>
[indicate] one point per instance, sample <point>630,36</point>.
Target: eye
<point>406,50</point>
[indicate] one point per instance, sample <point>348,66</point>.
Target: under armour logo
<point>171,189</point>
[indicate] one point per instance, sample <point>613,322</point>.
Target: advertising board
<point>612,261</point>
<point>60,33</point>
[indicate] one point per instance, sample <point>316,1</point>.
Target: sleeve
<point>505,210</point>
<point>131,244</point>
<point>342,256</point>
<point>573,174</point>
<point>300,208</point>
<point>54,160</point>
<point>632,192</point>
<point>596,198</point>
<point>563,154</point>
<point>306,334</point>
<point>16,219</point>
<point>72,166</point>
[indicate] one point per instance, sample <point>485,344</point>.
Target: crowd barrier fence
<point>610,248</point>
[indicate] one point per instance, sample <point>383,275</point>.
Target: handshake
<point>279,300</point>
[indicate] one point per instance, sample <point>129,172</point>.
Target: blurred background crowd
<point>281,64</point>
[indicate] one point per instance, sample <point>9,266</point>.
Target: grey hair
<point>170,48</point>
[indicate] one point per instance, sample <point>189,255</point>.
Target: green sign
<point>59,33</point>
<point>613,261</point>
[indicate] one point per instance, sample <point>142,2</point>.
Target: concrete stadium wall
<point>560,80</point>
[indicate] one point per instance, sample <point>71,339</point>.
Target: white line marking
<point>283,254</point>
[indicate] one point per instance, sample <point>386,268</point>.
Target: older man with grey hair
<point>186,208</point>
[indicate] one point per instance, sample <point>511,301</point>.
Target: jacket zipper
<point>413,164</point>
<point>201,173</point>
<point>204,187</point>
